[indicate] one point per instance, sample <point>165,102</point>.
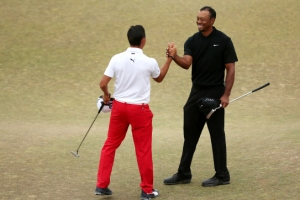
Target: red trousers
<point>140,119</point>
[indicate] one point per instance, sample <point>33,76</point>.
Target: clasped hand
<point>171,50</point>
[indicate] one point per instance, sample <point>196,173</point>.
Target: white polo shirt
<point>132,70</point>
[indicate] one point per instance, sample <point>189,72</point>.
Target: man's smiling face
<point>204,22</point>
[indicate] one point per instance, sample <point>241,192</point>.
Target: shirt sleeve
<point>229,53</point>
<point>156,71</point>
<point>188,46</point>
<point>110,70</point>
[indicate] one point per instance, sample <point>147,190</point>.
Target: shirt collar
<point>134,50</point>
<point>213,31</point>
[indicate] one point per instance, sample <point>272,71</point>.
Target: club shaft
<point>240,97</point>
<point>90,127</point>
<point>87,132</point>
<point>259,88</point>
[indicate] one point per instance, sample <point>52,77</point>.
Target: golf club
<point>76,154</point>
<point>259,88</point>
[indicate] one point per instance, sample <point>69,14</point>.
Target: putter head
<point>75,154</point>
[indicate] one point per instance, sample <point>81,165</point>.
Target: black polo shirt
<point>210,54</point>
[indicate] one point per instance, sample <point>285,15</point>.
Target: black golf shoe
<point>214,181</point>
<point>148,196</point>
<point>103,191</point>
<point>177,179</point>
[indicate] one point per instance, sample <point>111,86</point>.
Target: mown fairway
<point>53,54</point>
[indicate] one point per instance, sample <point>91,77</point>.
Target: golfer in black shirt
<point>211,53</point>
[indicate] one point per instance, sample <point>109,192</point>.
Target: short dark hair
<point>211,11</point>
<point>135,35</point>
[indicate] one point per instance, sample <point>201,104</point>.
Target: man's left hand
<point>224,101</point>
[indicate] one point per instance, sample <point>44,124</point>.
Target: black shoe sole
<point>186,181</point>
<point>213,185</point>
<point>102,194</point>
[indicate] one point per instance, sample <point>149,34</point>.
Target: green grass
<point>53,54</point>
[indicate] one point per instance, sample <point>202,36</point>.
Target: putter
<point>76,154</point>
<point>259,88</point>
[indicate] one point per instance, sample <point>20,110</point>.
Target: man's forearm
<point>229,81</point>
<point>104,89</point>
<point>165,68</point>
<point>181,62</point>
<point>104,84</point>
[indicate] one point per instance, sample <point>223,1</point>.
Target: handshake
<point>171,51</point>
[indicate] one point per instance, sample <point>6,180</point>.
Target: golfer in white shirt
<point>132,71</point>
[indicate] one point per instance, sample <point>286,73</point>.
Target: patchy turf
<point>53,54</point>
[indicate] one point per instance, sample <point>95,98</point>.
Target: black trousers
<point>194,122</point>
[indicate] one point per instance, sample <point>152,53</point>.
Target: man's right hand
<point>171,51</point>
<point>106,98</point>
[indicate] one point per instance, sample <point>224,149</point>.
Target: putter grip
<point>261,87</point>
